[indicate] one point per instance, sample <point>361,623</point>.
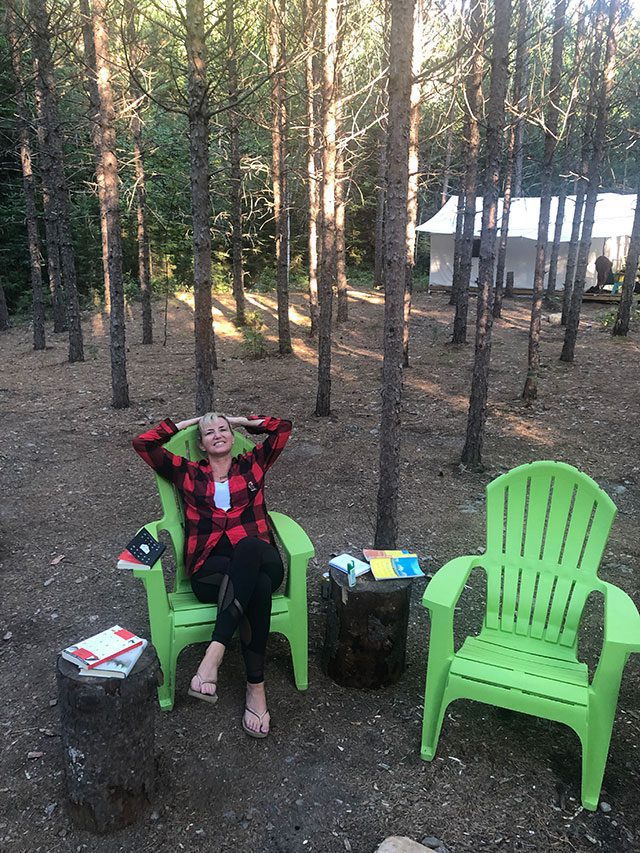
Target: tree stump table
<point>108,731</point>
<point>366,636</point>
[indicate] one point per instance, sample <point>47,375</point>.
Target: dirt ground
<point>341,769</point>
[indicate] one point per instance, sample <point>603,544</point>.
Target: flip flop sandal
<point>212,698</point>
<point>251,732</point>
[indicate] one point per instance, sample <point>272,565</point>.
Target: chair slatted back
<point>185,443</point>
<point>547,527</point>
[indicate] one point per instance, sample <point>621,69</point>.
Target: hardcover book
<point>109,644</point>
<point>119,667</point>
<point>142,552</point>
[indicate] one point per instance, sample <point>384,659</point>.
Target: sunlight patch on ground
<point>97,324</point>
<point>372,298</point>
<point>508,422</point>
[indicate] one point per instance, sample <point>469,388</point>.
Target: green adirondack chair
<point>547,526</point>
<point>177,619</point>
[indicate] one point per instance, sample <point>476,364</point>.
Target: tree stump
<point>108,731</point>
<point>366,635</point>
<point>508,291</point>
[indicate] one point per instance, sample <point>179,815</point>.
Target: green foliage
<point>253,334</point>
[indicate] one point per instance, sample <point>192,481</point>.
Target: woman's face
<point>217,438</point>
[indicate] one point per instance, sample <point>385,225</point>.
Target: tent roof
<point>613,217</point>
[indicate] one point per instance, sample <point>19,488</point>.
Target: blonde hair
<point>208,418</point>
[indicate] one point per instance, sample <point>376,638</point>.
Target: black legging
<point>241,581</point>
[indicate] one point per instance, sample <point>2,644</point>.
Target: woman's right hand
<point>189,422</point>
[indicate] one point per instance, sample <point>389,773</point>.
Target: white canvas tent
<point>611,232</point>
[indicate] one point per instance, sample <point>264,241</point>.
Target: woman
<point>229,551</point>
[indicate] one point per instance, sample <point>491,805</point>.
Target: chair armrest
<point>446,586</point>
<point>293,539</point>
<point>621,619</point>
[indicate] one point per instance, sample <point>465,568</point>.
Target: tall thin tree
<point>595,168</point>
<point>233,114</point>
<point>472,450</point>
<point>400,80</point>
<point>109,161</point>
<point>28,183</point>
<point>414,168</point>
<point>328,272</point>
<point>381,174</point>
<point>623,317</point>
<point>473,102</point>
<point>309,34</point>
<point>551,123</point>
<point>205,354</point>
<point>52,165</point>
<point>279,167</point>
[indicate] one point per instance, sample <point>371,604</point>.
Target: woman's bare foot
<point>203,683</point>
<point>256,718</point>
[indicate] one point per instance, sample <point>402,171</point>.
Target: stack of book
<point>385,565</point>
<point>110,654</point>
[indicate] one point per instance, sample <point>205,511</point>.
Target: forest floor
<point>341,769</point>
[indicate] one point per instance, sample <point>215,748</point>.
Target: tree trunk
<point>521,97</point>
<point>309,35</point>
<point>28,184</point>
<point>621,325</point>
<point>109,162</point>
<point>53,172</point>
<point>572,252</point>
<point>328,258</point>
<point>530,390</point>
<point>412,189</point>
<point>234,163</point>
<point>599,141</point>
<point>457,248</point>
<point>446,172</point>
<point>95,132</point>
<point>473,89</point>
<point>472,451</point>
<point>277,62</point>
<point>381,176</point>
<point>519,75</point>
<point>199,159</point>
<point>400,81</point>
<point>137,97</point>
<point>555,248</point>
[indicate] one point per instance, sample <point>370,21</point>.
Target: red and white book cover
<point>101,647</point>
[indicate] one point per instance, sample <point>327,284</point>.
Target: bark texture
<point>109,161</point>
<point>366,632</point>
<point>400,80</point>
<point>599,140</point>
<point>472,450</point>
<point>108,736</point>
<point>381,175</point>
<point>279,176</point>
<point>200,211</point>
<point>555,247</point>
<point>328,260</point>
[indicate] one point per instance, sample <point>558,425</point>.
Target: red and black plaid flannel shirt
<point>205,523</point>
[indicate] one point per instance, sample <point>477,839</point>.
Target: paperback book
<point>393,564</point>
<point>142,552</point>
<point>119,667</point>
<point>102,647</point>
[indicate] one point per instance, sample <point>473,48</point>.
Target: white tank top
<point>221,496</point>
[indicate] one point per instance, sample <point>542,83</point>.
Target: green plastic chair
<point>547,526</point>
<point>177,619</point>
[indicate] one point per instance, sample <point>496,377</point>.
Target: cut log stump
<point>108,731</point>
<point>366,636</point>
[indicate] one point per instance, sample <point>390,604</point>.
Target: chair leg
<point>434,706</point>
<point>166,691</point>
<point>298,643</point>
<point>595,750</point>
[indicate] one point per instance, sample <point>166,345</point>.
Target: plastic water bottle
<point>351,573</point>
